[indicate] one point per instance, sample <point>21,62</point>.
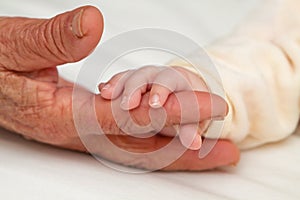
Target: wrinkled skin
<point>37,104</point>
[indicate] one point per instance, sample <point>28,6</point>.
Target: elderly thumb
<point>32,44</point>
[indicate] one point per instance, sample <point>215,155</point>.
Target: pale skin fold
<point>37,104</point>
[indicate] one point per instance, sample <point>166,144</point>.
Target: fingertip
<point>189,137</point>
<point>101,86</point>
<point>219,107</point>
<point>196,143</point>
<point>104,95</point>
<point>158,96</point>
<point>92,21</point>
<point>132,101</point>
<point>224,152</point>
<point>232,151</point>
<point>106,87</point>
<point>87,27</point>
<point>107,91</point>
<point>154,101</point>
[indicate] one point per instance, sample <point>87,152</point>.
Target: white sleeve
<point>260,69</point>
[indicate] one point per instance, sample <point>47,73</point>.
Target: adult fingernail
<point>76,24</point>
<point>154,101</point>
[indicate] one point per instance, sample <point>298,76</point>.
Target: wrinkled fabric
<point>259,64</point>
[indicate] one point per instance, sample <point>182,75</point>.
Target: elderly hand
<point>38,105</point>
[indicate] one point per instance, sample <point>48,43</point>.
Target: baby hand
<point>160,82</point>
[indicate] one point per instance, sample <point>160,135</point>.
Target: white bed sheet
<point>29,170</point>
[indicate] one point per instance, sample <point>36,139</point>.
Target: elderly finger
<point>31,44</point>
<point>136,152</point>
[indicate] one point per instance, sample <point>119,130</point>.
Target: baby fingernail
<point>154,102</point>
<point>107,86</point>
<point>196,144</point>
<point>124,101</point>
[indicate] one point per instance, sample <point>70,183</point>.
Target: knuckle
<point>57,126</point>
<point>117,77</point>
<point>52,40</point>
<point>139,115</point>
<point>18,89</point>
<point>109,127</point>
<point>173,110</point>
